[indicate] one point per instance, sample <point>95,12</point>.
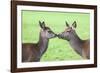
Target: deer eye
<point>50,31</point>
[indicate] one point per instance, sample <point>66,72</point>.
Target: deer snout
<point>56,35</point>
<point>59,35</point>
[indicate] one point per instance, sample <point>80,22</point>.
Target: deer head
<point>46,32</point>
<point>69,32</point>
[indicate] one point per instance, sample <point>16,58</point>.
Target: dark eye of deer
<point>49,31</point>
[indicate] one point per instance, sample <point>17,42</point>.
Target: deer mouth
<point>60,36</point>
<point>55,35</point>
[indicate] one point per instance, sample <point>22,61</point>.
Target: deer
<point>81,47</point>
<point>32,52</point>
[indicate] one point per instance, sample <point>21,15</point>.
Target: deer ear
<point>74,25</point>
<point>67,24</point>
<point>42,24</point>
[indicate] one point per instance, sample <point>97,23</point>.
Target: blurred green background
<point>58,49</point>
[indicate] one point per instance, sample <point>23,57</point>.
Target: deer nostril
<point>59,35</point>
<point>56,34</point>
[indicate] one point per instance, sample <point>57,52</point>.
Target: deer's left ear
<point>74,25</point>
<point>67,24</point>
<point>42,24</point>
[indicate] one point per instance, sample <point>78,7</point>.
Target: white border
<point>58,63</point>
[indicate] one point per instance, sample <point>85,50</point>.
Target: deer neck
<point>76,44</point>
<point>43,44</point>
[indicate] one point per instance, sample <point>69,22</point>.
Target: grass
<point>58,49</point>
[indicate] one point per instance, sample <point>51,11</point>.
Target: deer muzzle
<point>59,35</point>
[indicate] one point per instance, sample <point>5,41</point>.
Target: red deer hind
<point>32,52</point>
<point>82,47</point>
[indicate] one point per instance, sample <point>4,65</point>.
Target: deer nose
<point>59,36</point>
<point>56,34</point>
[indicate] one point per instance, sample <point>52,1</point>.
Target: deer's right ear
<point>74,24</point>
<point>67,24</point>
<point>42,24</point>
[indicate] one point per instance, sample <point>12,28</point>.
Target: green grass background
<point>58,49</point>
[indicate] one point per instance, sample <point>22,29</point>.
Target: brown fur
<point>30,52</point>
<point>86,49</point>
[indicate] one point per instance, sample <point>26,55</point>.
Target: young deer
<point>32,52</point>
<point>82,47</point>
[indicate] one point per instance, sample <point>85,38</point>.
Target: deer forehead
<point>68,29</point>
<point>45,30</point>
